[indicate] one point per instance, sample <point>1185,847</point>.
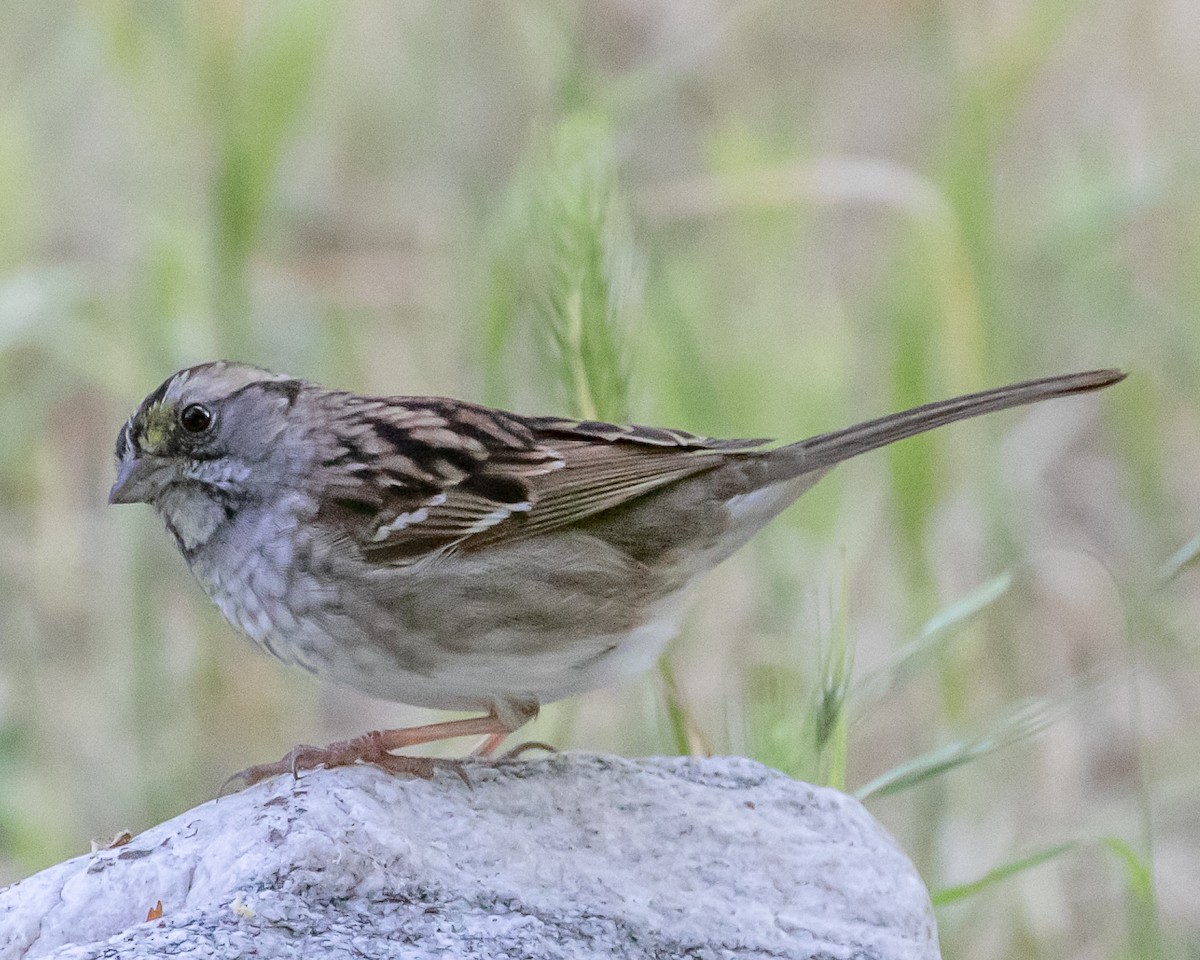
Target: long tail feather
<point>824,451</point>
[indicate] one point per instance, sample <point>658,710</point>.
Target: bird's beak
<point>138,480</point>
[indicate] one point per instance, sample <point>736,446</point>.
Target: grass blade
<point>948,895</point>
<point>1027,720</point>
<point>1183,558</point>
<point>1145,928</point>
<point>829,733</point>
<point>930,642</point>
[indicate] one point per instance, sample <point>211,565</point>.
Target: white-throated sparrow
<point>448,555</point>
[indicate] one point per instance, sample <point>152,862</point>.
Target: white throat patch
<point>191,515</point>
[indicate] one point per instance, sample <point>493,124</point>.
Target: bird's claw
<point>520,748</point>
<point>367,749</point>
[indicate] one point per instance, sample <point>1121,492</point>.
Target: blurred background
<point>738,218</point>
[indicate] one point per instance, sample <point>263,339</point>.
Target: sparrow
<point>444,554</point>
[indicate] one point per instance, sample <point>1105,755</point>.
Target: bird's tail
<point>822,452</point>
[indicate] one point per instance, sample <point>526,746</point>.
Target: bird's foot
<point>376,747</point>
<point>371,748</point>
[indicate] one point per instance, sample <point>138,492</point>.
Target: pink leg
<point>489,745</point>
<point>376,747</point>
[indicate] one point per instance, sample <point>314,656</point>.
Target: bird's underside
<point>471,482</point>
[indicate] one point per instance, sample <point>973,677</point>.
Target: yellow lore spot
<point>157,426</point>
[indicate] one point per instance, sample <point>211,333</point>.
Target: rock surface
<point>566,857</point>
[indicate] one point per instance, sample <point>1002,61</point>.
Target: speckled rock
<point>572,856</point>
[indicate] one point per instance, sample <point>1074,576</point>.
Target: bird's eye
<point>195,418</point>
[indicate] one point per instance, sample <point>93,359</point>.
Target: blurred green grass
<point>747,219</point>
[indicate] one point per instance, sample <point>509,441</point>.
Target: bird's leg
<point>376,747</point>
<point>510,715</point>
<point>488,745</point>
<point>517,714</point>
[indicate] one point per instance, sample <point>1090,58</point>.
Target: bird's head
<point>209,433</point>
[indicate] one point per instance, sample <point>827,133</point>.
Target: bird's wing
<point>418,477</point>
